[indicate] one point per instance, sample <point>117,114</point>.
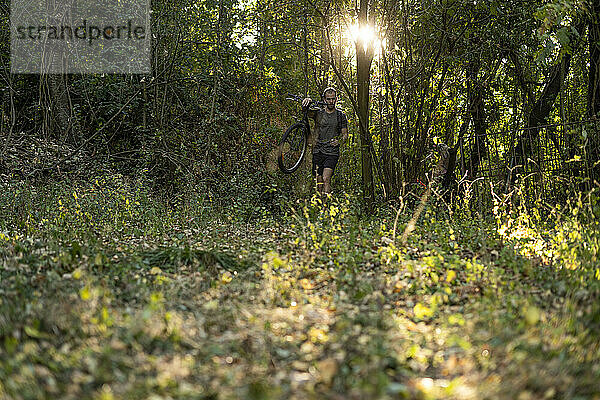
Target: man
<point>331,129</point>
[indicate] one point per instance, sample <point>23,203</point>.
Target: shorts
<point>322,161</point>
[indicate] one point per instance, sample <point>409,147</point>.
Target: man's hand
<point>306,101</point>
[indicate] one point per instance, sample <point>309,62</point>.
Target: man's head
<point>330,97</point>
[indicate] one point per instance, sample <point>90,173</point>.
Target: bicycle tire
<point>292,148</point>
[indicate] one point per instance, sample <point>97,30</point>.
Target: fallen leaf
<point>327,368</point>
<point>306,284</point>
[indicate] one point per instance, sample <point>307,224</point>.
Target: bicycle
<point>293,144</point>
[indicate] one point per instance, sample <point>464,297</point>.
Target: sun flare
<point>364,34</point>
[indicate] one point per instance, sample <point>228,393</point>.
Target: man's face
<point>330,100</point>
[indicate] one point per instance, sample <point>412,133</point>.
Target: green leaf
<point>422,312</point>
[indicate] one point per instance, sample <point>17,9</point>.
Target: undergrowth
<point>109,292</point>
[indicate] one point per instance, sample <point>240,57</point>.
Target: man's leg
<point>320,184</point>
<point>327,173</point>
<point>318,171</point>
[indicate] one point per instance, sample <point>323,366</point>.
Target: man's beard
<point>330,106</point>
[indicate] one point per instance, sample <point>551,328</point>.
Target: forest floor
<point>102,297</point>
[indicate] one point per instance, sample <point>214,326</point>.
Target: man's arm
<point>305,103</point>
<point>312,140</point>
<point>344,135</point>
<point>342,139</point>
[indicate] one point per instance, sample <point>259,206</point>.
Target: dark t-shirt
<point>326,129</point>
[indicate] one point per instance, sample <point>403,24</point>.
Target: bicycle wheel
<point>292,148</point>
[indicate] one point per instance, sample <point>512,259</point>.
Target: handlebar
<point>294,97</point>
<point>314,104</point>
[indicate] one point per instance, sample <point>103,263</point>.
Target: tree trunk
<point>305,51</point>
<point>393,169</point>
<point>538,114</point>
<point>386,156</point>
<point>8,115</point>
<point>477,111</point>
<point>59,118</point>
<point>594,85</point>
<point>594,54</point>
<point>364,57</point>
<point>325,63</point>
<point>217,64</point>
<point>262,39</point>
